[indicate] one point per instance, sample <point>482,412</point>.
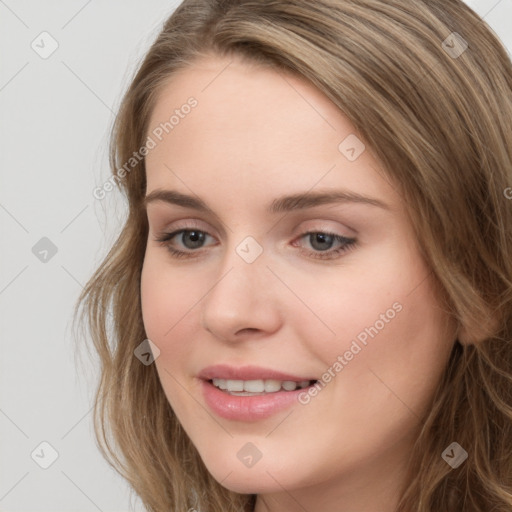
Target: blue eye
<point>193,239</point>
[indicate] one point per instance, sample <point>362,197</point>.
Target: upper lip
<point>224,371</point>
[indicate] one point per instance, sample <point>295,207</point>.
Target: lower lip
<point>248,408</point>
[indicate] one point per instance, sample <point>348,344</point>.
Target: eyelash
<point>348,244</point>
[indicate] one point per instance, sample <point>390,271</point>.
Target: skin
<point>256,135</point>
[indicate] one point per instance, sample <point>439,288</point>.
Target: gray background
<point>55,117</point>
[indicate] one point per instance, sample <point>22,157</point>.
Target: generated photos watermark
<point>355,348</point>
<point>157,133</point>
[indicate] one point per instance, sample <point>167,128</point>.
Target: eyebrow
<point>282,204</point>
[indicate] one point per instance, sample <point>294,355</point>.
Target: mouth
<point>251,393</point>
<point>258,387</point>
<point>252,400</point>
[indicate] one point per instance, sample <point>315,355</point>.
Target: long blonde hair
<point>439,117</point>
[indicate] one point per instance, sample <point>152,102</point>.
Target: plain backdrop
<point>55,117</point>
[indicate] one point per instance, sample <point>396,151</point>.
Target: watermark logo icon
<point>44,250</point>
<point>249,249</point>
<point>454,455</point>
<point>455,45</point>
<point>44,45</point>
<point>351,147</point>
<point>249,455</point>
<point>147,352</point>
<point>44,455</point>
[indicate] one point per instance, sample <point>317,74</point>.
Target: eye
<point>321,242</point>
<point>191,239</point>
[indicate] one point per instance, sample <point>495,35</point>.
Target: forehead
<point>239,98</point>
<point>254,128</point>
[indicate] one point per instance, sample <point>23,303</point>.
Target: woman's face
<point>351,304</point>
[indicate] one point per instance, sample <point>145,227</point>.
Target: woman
<point>252,367</point>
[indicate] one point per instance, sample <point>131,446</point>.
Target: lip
<point>224,371</point>
<point>248,408</point>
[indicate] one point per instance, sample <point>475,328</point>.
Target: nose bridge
<point>240,297</point>
<point>242,273</point>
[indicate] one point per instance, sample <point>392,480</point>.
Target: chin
<point>248,484</point>
<point>261,478</point>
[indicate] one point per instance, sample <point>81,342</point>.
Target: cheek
<point>394,352</point>
<point>359,305</point>
<point>165,297</point>
<point>171,322</point>
<point>387,327</point>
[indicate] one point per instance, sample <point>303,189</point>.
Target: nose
<point>242,301</point>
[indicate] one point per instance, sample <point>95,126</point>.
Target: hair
<point>441,125</point>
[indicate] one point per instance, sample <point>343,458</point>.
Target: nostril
<point>247,330</point>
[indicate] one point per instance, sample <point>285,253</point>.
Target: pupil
<point>196,236</point>
<point>323,238</point>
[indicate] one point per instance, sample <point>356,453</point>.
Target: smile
<point>258,387</point>
<point>248,406</point>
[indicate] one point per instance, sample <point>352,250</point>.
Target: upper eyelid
<point>224,228</point>
<point>193,223</point>
<point>181,225</point>
<point>188,220</point>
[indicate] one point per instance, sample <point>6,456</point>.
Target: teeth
<point>254,386</point>
<point>258,386</point>
<point>289,385</point>
<point>271,386</point>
